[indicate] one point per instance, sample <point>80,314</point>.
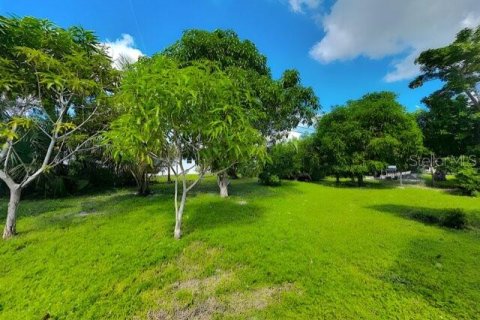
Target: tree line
<point>71,120</point>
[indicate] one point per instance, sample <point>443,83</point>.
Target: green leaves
<point>195,110</point>
<point>450,126</point>
<point>367,134</point>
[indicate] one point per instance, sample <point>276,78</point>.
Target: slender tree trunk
<point>337,178</point>
<point>141,178</point>
<point>179,209</point>
<point>222,180</point>
<point>169,178</point>
<point>10,224</point>
<point>401,178</point>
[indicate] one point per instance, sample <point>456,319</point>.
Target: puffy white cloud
<point>298,5</point>
<point>123,50</point>
<point>381,28</point>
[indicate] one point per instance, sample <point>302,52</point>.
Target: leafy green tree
<point>175,112</point>
<point>366,135</point>
<point>468,179</point>
<point>130,147</point>
<point>452,123</point>
<point>53,82</point>
<point>295,159</point>
<point>448,125</point>
<point>279,105</point>
<point>309,160</point>
<point>284,160</point>
<point>221,46</point>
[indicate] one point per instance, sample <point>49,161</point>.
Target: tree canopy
<point>456,65</point>
<point>175,112</point>
<point>282,104</point>
<point>452,123</point>
<point>53,83</point>
<point>367,134</point>
<point>221,46</point>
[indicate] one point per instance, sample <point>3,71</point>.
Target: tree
<point>448,125</point>
<point>296,159</point>
<point>221,46</point>
<point>366,135</point>
<point>280,105</point>
<point>455,108</point>
<point>53,81</point>
<point>189,111</point>
<point>130,144</point>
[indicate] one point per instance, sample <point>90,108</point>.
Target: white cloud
<point>122,50</point>
<point>381,28</point>
<point>298,5</point>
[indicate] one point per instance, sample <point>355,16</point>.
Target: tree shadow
<point>442,272</point>
<point>219,213</point>
<point>31,208</point>
<point>428,216</point>
<point>367,184</point>
<point>238,187</point>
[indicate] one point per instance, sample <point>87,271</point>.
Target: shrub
<point>468,180</point>
<point>295,160</point>
<point>455,219</point>
<point>268,179</point>
<point>449,218</point>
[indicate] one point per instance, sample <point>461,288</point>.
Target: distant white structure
<point>293,135</point>
<point>187,164</point>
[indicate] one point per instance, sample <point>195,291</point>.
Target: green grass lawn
<point>303,251</point>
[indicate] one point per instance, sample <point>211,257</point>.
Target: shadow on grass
<point>429,268</point>
<point>432,216</point>
<point>74,211</point>
<point>33,208</point>
<point>237,187</point>
<point>219,213</point>
<point>68,212</point>
<point>368,184</point>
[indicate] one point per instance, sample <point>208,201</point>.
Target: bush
<point>455,219</point>
<point>296,159</point>
<point>450,218</point>
<point>268,179</point>
<point>468,180</point>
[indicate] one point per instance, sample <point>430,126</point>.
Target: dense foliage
<point>451,125</point>
<point>171,112</point>
<point>296,159</point>
<point>366,135</point>
<point>282,104</point>
<point>54,82</point>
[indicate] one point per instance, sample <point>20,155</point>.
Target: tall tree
<point>366,135</point>
<point>190,111</point>
<point>281,105</point>
<point>221,46</point>
<point>52,81</point>
<point>448,125</point>
<point>457,103</point>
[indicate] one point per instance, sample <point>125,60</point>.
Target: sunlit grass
<point>298,251</point>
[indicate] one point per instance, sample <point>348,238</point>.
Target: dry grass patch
<point>219,295</point>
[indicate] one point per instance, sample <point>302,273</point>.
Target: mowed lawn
<point>302,250</point>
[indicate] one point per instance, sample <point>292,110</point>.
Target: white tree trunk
<point>222,180</point>
<point>10,224</point>
<point>179,209</point>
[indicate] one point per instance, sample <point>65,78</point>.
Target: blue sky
<point>354,55</point>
